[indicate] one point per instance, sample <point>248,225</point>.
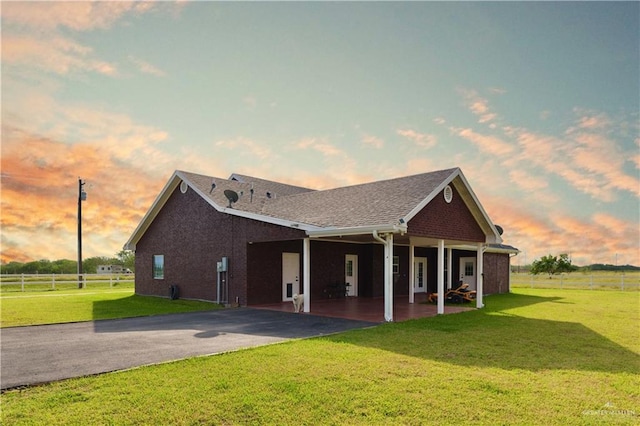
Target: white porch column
<point>441,277</point>
<point>412,272</point>
<point>388,278</point>
<point>306,273</point>
<point>449,267</point>
<point>480,277</point>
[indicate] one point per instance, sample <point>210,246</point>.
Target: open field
<point>50,307</point>
<point>598,280</point>
<point>532,357</point>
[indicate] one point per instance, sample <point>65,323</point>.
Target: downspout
<point>388,293</point>
<point>481,248</point>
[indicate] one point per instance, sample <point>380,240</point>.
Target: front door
<point>351,274</point>
<point>420,271</point>
<point>290,275</point>
<point>467,272</point>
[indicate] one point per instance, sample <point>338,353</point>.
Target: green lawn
<point>533,357</point>
<point>50,307</point>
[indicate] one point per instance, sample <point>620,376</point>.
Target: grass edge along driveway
<point>533,357</point>
<point>88,305</point>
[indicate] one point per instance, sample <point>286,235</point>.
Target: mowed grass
<point>534,357</point>
<point>49,307</point>
<point>592,280</point>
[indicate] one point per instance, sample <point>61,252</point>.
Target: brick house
<point>252,241</point>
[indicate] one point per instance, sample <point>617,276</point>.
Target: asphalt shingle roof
<point>375,203</point>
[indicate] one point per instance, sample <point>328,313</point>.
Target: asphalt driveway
<point>45,353</point>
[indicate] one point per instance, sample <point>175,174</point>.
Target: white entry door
<point>351,274</point>
<point>290,275</point>
<point>420,271</point>
<point>467,272</point>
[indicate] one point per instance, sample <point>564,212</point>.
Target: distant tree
<point>12,268</point>
<point>564,264</point>
<point>90,265</point>
<point>552,265</point>
<point>127,258</point>
<point>64,266</point>
<point>42,266</point>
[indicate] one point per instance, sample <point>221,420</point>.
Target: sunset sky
<point>537,103</point>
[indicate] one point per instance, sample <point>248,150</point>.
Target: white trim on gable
<point>170,187</point>
<point>492,234</point>
<point>462,186</point>
<point>249,215</point>
<point>431,196</point>
<point>153,211</point>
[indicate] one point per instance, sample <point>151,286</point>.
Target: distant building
<point>112,269</point>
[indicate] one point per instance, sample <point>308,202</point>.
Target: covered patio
<point>370,308</point>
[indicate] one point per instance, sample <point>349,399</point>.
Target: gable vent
<point>448,194</point>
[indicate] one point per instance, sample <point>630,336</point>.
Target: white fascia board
<point>487,249</point>
<point>491,239</point>
<point>270,219</point>
<point>157,205</point>
<point>431,196</point>
<point>357,230</point>
<point>249,215</point>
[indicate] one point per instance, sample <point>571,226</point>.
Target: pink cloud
<point>479,105</point>
<point>39,196</point>
<point>319,145</point>
<point>79,16</point>
<point>538,233</point>
<point>423,140</point>
<point>58,54</point>
<point>527,181</point>
<point>591,162</point>
<point>491,145</point>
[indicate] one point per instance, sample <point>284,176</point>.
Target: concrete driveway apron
<point>39,354</point>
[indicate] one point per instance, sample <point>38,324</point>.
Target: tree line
<point>553,265</point>
<point>124,258</point>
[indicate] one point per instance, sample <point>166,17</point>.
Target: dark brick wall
<point>442,220</point>
<point>193,237</point>
<point>264,270</point>
<point>327,267</point>
<point>496,273</point>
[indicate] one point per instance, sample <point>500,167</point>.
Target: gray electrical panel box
<point>223,265</point>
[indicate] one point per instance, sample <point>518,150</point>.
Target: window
<point>468,269</point>
<point>158,266</point>
<point>349,268</point>
<point>396,264</point>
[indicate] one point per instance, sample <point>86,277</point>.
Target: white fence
<point>624,281</point>
<point>39,282</point>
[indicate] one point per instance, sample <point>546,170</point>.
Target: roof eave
<point>357,230</point>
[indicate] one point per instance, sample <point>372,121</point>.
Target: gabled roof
<point>384,206</point>
<point>275,188</point>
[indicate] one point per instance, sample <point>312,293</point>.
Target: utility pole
<point>82,196</point>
